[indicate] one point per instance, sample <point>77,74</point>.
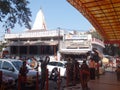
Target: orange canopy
<point>104,15</point>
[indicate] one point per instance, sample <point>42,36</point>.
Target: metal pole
<point>37,81</point>
<point>28,48</point>
<point>59,80</point>
<point>47,83</point>
<point>58,58</point>
<point>19,45</point>
<point>58,38</point>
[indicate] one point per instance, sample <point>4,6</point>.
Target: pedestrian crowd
<point>75,72</point>
<point>88,70</point>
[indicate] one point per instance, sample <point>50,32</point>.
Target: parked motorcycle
<point>55,75</point>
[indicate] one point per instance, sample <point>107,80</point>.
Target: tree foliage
<point>15,11</point>
<point>110,49</point>
<point>95,34</point>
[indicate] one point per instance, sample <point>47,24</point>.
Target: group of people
<point>23,73</point>
<point>75,72</point>
<point>81,73</point>
<point>85,72</point>
<point>91,70</point>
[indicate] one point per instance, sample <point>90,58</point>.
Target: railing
<point>22,43</point>
<point>98,42</point>
<point>48,33</point>
<point>75,45</point>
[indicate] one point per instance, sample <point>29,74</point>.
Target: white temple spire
<point>39,23</point>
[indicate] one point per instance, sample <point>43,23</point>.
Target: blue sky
<point>57,13</point>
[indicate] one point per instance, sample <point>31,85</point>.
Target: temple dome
<point>39,23</point>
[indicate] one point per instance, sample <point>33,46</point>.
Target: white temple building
<point>56,43</point>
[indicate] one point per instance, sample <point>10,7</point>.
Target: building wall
<point>69,43</point>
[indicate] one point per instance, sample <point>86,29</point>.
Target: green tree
<point>109,49</point>
<point>95,34</point>
<point>119,51</point>
<point>15,11</point>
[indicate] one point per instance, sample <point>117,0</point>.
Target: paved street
<point>105,82</point>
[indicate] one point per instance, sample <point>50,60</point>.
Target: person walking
<point>92,68</point>
<point>23,75</point>
<point>76,72</point>
<point>97,70</point>
<point>97,57</point>
<point>118,73</point>
<point>84,75</point>
<point>69,69</point>
<point>43,72</point>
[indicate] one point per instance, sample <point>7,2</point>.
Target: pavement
<point>107,81</point>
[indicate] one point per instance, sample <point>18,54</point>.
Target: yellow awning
<point>104,15</point>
